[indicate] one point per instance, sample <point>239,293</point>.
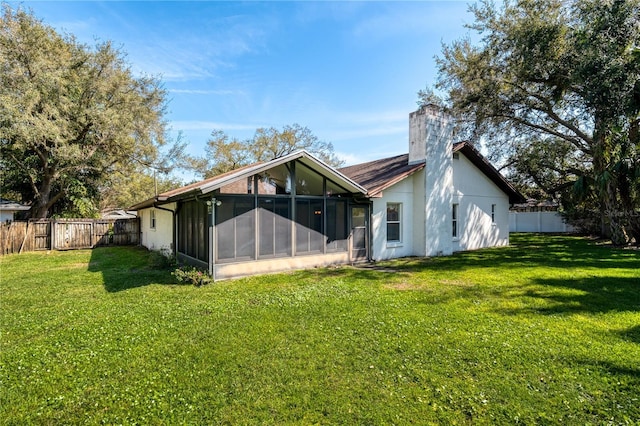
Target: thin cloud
<point>207,92</point>
<point>210,125</point>
<point>413,19</point>
<point>365,132</point>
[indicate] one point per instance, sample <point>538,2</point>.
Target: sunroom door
<point>359,233</point>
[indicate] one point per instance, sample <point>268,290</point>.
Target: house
<point>293,212</point>
<point>441,197</point>
<point>9,210</point>
<point>296,212</point>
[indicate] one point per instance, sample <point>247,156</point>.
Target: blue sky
<point>350,71</point>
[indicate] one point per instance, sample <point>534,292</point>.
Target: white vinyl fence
<point>537,222</point>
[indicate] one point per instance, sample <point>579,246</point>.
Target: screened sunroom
<point>290,213</point>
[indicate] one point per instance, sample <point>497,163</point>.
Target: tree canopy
<point>225,153</point>
<point>70,116</point>
<point>554,87</point>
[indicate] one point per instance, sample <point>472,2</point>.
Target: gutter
<point>173,221</point>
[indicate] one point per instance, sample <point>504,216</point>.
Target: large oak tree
<point>225,153</point>
<point>70,115</point>
<point>555,85</point>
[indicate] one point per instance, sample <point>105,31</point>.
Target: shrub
<point>192,275</point>
<point>162,259</point>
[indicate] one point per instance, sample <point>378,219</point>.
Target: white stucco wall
<point>162,236</point>
<point>402,193</point>
<point>6,216</point>
<point>475,193</point>
<point>427,222</point>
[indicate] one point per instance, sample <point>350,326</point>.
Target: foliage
<point>192,275</point>
<point>162,259</point>
<point>542,332</point>
<point>225,153</point>
<point>554,86</point>
<point>70,116</point>
<point>128,187</point>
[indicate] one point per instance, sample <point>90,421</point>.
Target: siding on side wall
<point>475,194</point>
<point>161,237</point>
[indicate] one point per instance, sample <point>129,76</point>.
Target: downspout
<point>173,221</point>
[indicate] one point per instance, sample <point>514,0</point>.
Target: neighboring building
<point>296,212</point>
<point>118,214</point>
<point>9,209</point>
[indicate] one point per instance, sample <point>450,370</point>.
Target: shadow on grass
<point>127,267</point>
<point>594,295</point>
<point>631,334</point>
<point>610,368</point>
<point>529,250</point>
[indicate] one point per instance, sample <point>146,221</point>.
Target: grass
<point>546,331</point>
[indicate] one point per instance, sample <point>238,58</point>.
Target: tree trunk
<point>616,215</point>
<point>40,208</point>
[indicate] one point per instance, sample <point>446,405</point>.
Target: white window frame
<point>455,221</point>
<point>493,213</point>
<point>398,206</point>
<point>152,219</point>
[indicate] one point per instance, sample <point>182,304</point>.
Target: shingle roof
<point>208,185</point>
<point>378,175</point>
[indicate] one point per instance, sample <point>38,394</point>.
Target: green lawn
<point>546,331</point>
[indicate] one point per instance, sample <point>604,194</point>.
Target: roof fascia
<point>490,171</point>
<point>376,193</point>
<point>315,164</point>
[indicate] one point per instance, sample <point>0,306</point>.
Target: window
<point>275,181</point>
<point>393,222</point>
<point>152,219</point>
<point>308,182</point>
<point>454,221</point>
<point>493,213</point>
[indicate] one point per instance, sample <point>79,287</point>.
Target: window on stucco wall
<point>394,222</point>
<point>152,219</point>
<point>454,221</point>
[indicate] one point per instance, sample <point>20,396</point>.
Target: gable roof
<point>481,162</point>
<point>378,175</point>
<point>209,185</point>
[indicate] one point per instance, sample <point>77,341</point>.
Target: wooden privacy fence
<point>66,234</point>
